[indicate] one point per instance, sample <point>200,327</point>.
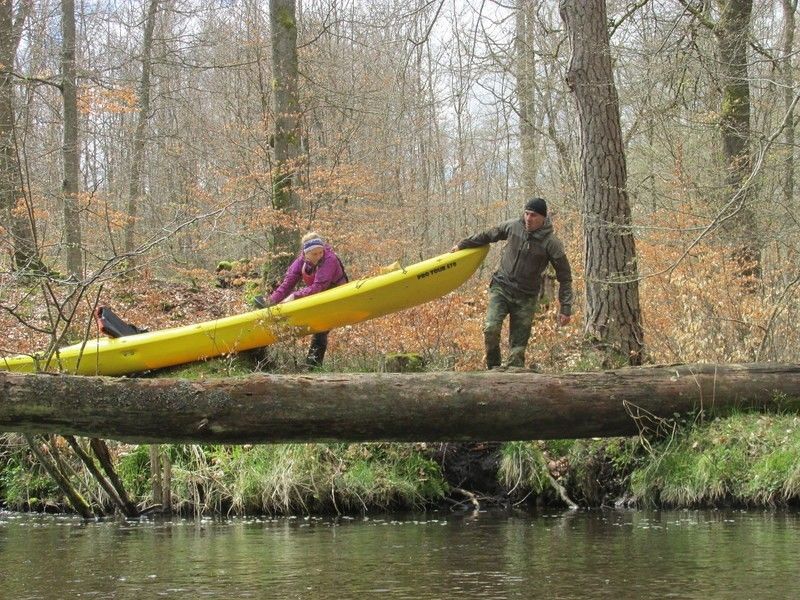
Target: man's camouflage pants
<point>520,309</point>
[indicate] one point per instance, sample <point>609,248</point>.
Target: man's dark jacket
<point>525,257</point>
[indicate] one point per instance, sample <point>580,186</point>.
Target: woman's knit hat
<point>312,243</point>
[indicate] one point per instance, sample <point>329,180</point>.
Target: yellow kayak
<point>350,303</point>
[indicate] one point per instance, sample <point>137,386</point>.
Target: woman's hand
<point>288,298</point>
<point>261,302</point>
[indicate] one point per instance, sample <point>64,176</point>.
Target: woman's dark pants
<point>316,352</point>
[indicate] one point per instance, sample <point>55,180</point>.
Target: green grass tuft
<point>743,459</point>
<point>523,468</point>
<point>304,478</point>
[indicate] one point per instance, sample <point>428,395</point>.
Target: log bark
<point>408,407</point>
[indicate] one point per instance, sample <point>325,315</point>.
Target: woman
<point>318,267</point>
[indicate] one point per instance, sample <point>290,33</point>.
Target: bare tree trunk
<point>526,99</point>
<point>613,315</point>
<point>732,31</point>
<point>15,210</point>
<point>140,135</point>
<point>71,185</point>
<point>286,146</point>
<point>789,11</point>
<point>444,406</point>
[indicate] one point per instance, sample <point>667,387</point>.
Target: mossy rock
<point>236,273</point>
<point>403,362</point>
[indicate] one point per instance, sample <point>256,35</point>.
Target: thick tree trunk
<point>286,146</point>
<point>71,187</point>
<point>733,30</point>
<point>140,137</point>
<point>524,45</point>
<point>613,315</point>
<point>384,407</point>
<point>787,68</point>
<point>16,213</point>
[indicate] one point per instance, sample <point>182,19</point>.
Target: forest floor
<point>146,302</point>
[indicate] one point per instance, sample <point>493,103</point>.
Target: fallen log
<point>443,406</point>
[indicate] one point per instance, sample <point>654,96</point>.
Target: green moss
<point>251,289</point>
<point>404,362</point>
<point>225,366</point>
<point>285,18</point>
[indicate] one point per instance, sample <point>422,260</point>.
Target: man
<point>515,286</point>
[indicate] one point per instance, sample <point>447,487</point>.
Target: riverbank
<point>744,460</point>
<point>748,460</point>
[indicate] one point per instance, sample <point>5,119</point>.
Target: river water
<point>595,554</point>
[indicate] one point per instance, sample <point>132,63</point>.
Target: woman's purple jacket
<point>327,274</point>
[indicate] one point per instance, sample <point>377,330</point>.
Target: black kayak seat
<point>111,325</point>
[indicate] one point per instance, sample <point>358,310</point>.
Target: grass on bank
<point>749,459</point>
<point>300,478</point>
<point>523,468</point>
<point>263,479</point>
<point>23,484</point>
<point>746,459</point>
